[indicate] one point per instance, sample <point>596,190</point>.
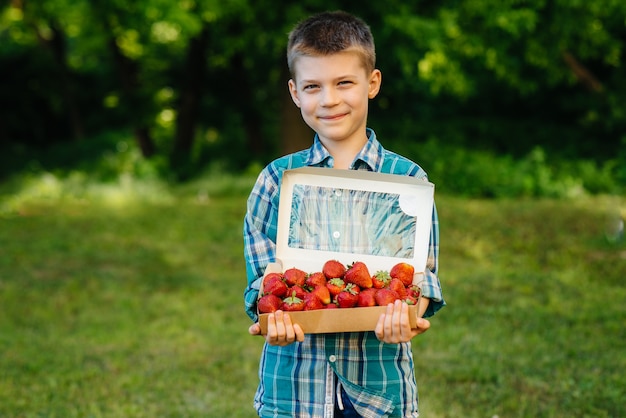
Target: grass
<point>126,301</point>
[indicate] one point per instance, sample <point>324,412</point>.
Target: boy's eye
<point>345,82</point>
<point>310,86</point>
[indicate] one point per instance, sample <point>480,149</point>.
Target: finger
<point>299,332</point>
<point>271,328</point>
<point>255,329</point>
<point>396,321</point>
<point>380,327</point>
<point>289,332</point>
<point>280,325</point>
<point>388,325</point>
<point>422,325</point>
<point>405,324</point>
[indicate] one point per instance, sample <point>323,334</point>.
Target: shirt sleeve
<point>431,288</point>
<point>259,233</point>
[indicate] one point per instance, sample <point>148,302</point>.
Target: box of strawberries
<point>348,243</point>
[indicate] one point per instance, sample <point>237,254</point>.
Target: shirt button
<point>336,234</point>
<point>337,192</point>
<point>332,358</point>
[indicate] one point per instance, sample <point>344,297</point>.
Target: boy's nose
<point>329,97</point>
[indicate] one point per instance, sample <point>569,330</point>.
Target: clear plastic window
<point>351,221</point>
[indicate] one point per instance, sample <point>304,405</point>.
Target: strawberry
<point>269,303</point>
<point>349,296</point>
<point>331,306</point>
<point>404,272</point>
<point>381,279</point>
<point>294,276</point>
<point>292,303</point>
<point>298,291</point>
<point>312,302</point>
<point>385,296</point>
<point>397,286</point>
<point>276,286</point>
<point>409,300</point>
<point>322,293</point>
<point>335,286</point>
<point>367,297</point>
<point>358,274</point>
<point>414,291</point>
<point>333,269</point>
<point>271,276</point>
<point>315,279</point>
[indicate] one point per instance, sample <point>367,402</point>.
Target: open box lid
<point>352,215</point>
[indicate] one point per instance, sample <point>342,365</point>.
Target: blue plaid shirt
<point>300,380</point>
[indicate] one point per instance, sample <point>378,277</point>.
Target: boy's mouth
<point>333,117</point>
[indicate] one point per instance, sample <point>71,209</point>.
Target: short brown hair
<point>329,33</point>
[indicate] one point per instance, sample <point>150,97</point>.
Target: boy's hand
<point>394,327</point>
<point>280,330</point>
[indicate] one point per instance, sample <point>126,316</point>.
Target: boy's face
<point>332,93</point>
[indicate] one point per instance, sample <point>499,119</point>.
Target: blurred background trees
<point>188,84</point>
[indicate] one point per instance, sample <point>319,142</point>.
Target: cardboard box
<point>319,210</point>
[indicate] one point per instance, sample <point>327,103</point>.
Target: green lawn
<point>122,302</point>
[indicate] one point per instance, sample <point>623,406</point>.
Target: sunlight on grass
<point>47,188</point>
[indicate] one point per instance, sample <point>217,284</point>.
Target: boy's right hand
<point>280,330</point>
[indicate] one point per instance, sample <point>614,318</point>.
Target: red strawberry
<point>397,286</point>
<point>386,296</point>
<point>404,272</point>
<point>312,302</point>
<point>331,306</point>
<point>348,297</point>
<point>294,276</point>
<point>414,291</point>
<point>298,291</point>
<point>333,269</point>
<point>335,286</point>
<point>409,300</point>
<point>367,297</point>
<point>381,279</point>
<point>276,286</point>
<point>271,276</point>
<point>269,303</point>
<point>315,279</point>
<point>292,303</point>
<point>322,293</point>
<point>358,274</point>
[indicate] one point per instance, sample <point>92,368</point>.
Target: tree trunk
<point>129,77</point>
<point>295,135</point>
<point>190,100</point>
<point>57,45</point>
<point>255,142</point>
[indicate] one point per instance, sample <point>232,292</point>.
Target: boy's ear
<point>293,91</point>
<point>376,79</point>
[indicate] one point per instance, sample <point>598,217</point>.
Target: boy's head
<point>330,33</point>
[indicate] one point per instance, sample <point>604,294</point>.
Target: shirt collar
<point>369,158</point>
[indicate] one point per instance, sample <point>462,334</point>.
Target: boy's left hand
<point>393,326</point>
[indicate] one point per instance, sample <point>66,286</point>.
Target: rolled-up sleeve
<point>430,286</point>
<point>259,232</point>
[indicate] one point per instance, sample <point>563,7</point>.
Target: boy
<point>331,58</point>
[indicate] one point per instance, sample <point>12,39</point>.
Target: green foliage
<point>502,76</point>
<point>115,159</point>
<point>479,173</point>
<point>134,308</point>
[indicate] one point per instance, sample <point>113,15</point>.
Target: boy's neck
<point>344,152</point>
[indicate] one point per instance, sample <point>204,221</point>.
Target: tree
<point>524,73</point>
<point>205,80</point>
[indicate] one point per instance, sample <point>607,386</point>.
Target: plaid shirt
<point>301,379</point>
